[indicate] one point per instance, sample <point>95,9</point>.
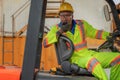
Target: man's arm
<point>51,37</point>
<point>94,33</point>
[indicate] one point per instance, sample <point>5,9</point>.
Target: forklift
<point>33,46</point>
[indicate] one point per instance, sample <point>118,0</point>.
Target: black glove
<point>65,27</point>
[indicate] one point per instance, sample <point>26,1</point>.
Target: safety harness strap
<point>81,28</point>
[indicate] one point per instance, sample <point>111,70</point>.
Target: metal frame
<point>115,13</point>
<point>34,37</point>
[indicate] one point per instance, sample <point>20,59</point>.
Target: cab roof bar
<point>33,46</point>
<point>115,13</point>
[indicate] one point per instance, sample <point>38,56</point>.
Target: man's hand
<point>59,32</point>
<point>64,28</point>
<point>117,43</point>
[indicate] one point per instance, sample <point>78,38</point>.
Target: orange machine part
<point>9,73</point>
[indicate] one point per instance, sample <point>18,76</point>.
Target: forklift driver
<point>94,62</point>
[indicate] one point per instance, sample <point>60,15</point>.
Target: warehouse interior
<point>14,16</point>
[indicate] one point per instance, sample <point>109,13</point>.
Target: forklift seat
<point>64,49</point>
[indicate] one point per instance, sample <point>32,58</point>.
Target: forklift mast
<point>33,46</point>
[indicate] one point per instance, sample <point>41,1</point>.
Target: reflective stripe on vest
<point>45,43</point>
<point>92,64</point>
<point>115,61</point>
<point>99,34</point>
<point>81,28</point>
<point>83,43</point>
<point>80,46</point>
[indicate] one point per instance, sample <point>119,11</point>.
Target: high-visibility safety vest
<point>81,30</point>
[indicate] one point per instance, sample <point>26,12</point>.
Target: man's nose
<point>64,17</point>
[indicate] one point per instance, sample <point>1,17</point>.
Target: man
<point>93,61</point>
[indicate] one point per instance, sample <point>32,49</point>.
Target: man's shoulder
<point>55,26</point>
<point>80,20</point>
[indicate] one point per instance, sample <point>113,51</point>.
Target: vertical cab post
<point>34,37</point>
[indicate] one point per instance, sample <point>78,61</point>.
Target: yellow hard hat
<point>66,7</point>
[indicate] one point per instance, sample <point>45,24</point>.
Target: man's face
<point>66,17</point>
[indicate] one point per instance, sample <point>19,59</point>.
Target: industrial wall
<point>9,57</point>
<point>91,11</point>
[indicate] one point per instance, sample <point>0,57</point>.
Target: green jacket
<point>78,35</point>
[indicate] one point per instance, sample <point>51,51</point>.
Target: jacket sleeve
<point>94,33</point>
<point>50,38</point>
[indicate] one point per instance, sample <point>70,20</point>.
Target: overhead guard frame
<point>33,46</point>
